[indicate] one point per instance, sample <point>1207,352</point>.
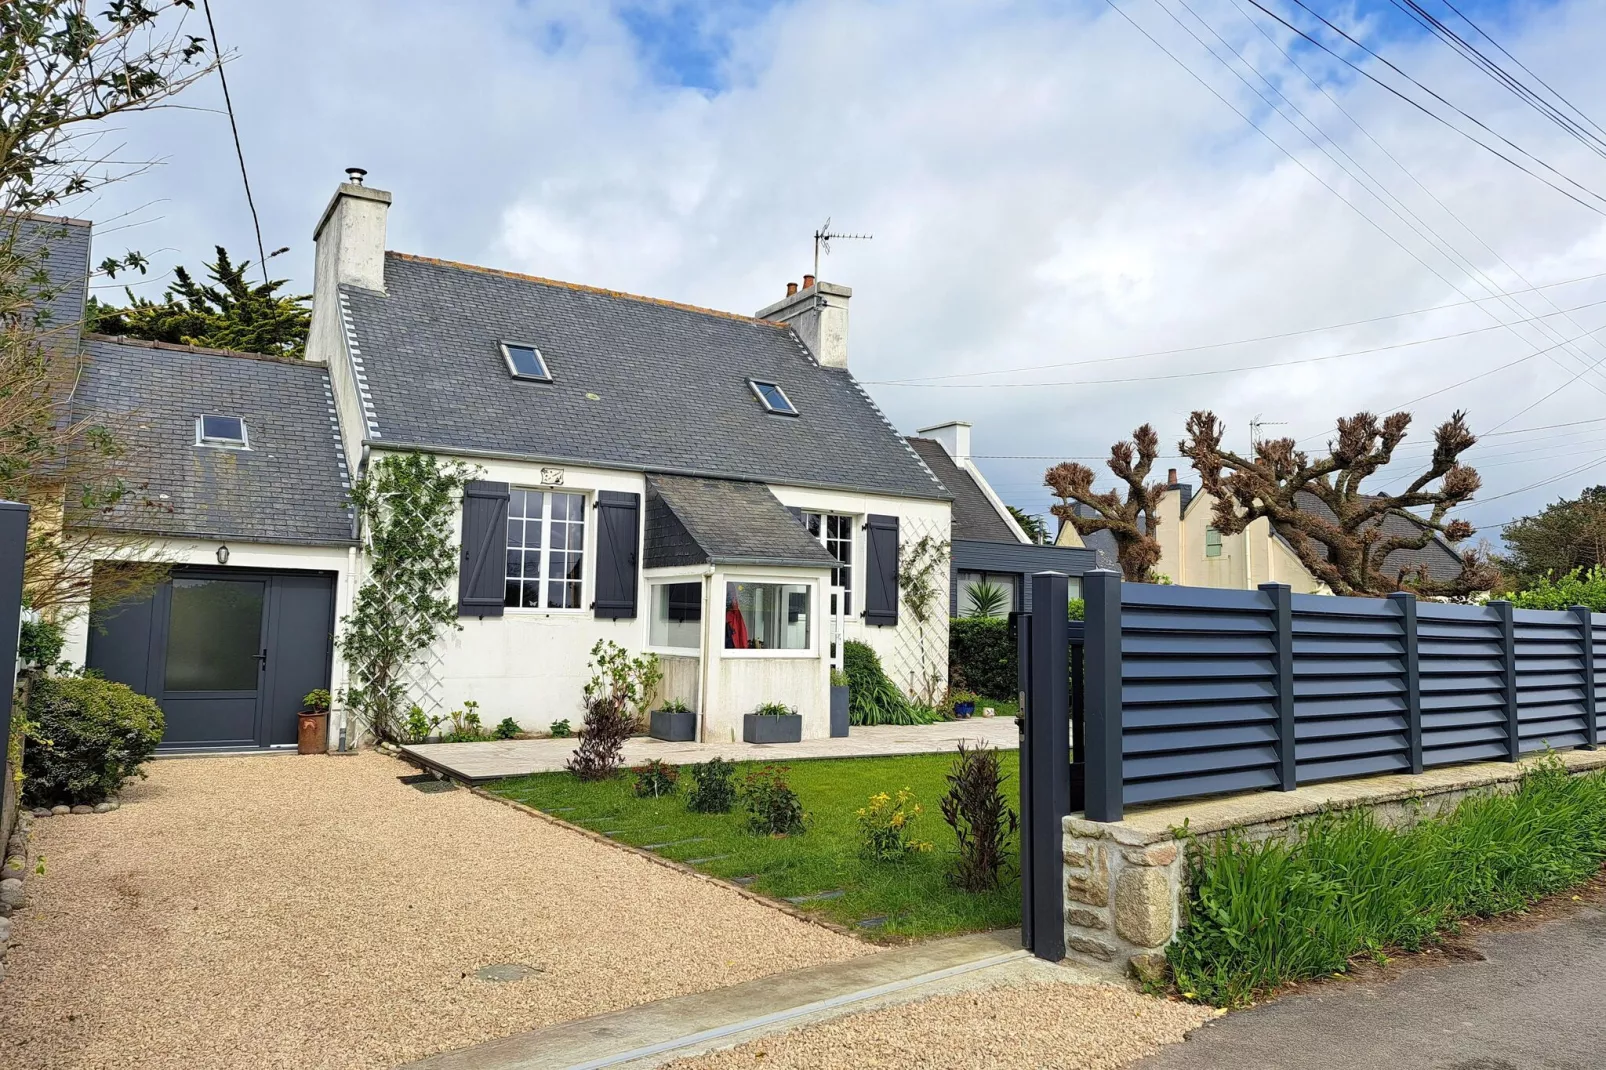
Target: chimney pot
<point>808,281</point>
<point>791,289</point>
<point>1171,476</point>
<point>355,175</point>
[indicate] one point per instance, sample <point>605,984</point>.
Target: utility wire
<point>262,255</point>
<point>1432,114</point>
<point>1485,35</point>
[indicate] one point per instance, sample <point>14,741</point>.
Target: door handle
<point>262,660</point>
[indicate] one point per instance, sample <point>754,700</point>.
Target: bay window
<point>767,616</point>
<point>546,534</point>
<point>677,616</point>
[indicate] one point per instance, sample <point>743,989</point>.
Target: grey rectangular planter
<point>674,727</point>
<point>839,711</point>
<point>763,729</point>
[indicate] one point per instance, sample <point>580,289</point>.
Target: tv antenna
<point>822,240</point>
<point>1254,430</point>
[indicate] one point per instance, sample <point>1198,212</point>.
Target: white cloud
<point>1043,184</point>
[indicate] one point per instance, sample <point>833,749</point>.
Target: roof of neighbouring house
<point>636,383</point>
<point>974,515</point>
<point>692,521</point>
<point>289,486</point>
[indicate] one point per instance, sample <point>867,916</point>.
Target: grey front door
<point>227,653</point>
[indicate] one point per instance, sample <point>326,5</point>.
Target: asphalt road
<point>1536,1002</point>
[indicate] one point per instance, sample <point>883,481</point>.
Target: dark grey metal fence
<point>1194,691</point>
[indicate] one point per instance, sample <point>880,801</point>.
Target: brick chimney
<point>819,314</point>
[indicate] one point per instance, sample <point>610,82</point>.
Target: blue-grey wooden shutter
<point>618,536</point>
<point>881,570</point>
<point>482,571</point>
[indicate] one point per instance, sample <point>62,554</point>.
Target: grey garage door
<point>227,653</point>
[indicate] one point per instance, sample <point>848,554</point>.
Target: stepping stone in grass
<point>745,881</point>
<point>671,843</point>
<point>700,861</point>
<point>873,923</point>
<point>795,899</point>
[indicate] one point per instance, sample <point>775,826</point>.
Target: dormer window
<point>524,361</point>
<point>224,432</point>
<point>772,397</point>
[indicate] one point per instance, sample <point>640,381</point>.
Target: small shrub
<point>88,736</point>
<point>316,701</point>
<point>507,728</point>
<point>674,705</point>
<point>1076,609</point>
<point>713,787</point>
<point>982,819</point>
<point>614,696</point>
<point>986,600</point>
<point>602,741</point>
<point>39,643</point>
<point>982,657</point>
<point>1580,587</point>
<point>418,725</point>
<point>466,726</point>
<point>561,729</point>
<point>872,697</point>
<point>886,827</point>
<point>839,678</point>
<point>776,709</point>
<point>773,808</point>
<point>655,779</point>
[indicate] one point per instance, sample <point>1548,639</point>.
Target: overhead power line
<point>228,104</point>
<point>1485,35</point>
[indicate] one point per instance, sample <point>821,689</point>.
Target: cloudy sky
<point>1074,232</point>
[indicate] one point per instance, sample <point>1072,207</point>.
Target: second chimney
<point>819,315</point>
<point>1171,477</point>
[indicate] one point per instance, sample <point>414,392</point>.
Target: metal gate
<point>1052,723</point>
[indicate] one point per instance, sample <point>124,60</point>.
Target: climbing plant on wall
<point>923,587</point>
<point>405,504</point>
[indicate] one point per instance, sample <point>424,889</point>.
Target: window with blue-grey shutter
<point>481,569</point>
<point>881,570</point>
<point>618,539</point>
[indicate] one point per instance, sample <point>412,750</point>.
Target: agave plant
<point>987,600</point>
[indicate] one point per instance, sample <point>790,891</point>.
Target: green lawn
<point>914,896</point>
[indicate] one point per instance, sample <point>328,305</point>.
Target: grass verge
<point>912,895</point>
<point>1262,915</point>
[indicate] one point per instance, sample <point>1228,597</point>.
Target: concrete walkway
<point>1533,1001</point>
<point>655,1033</point>
<point>476,762</point>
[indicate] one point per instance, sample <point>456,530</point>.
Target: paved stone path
<point>474,762</point>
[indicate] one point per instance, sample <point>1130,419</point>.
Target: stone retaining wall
<point>1125,880</point>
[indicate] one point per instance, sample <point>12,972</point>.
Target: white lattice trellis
<point>915,653</point>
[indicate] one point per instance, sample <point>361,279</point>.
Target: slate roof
<point>62,246</point>
<point>289,487</point>
<point>1442,562</point>
<point>694,521</point>
<point>974,516</point>
<point>637,383</point>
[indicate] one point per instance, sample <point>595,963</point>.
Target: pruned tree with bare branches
<point>1132,518</point>
<point>1346,540</point>
<point>65,68</point>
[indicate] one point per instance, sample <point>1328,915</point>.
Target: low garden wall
<point>1126,881</point>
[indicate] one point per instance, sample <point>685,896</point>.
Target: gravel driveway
<point>283,911</point>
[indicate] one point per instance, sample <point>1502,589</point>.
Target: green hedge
<point>981,657</point>
<point>87,735</point>
<point>1264,914</point>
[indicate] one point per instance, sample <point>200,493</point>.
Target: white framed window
<point>546,535</point>
<point>677,616</point>
<point>772,397</point>
<point>769,616</point>
<point>224,432</point>
<point>524,361</point>
<point>835,532</point>
<point>1212,542</point>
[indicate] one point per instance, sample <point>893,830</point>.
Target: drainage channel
<point>778,1017</point>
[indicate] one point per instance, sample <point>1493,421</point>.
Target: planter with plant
<point>839,704</point>
<point>773,722</point>
<point>673,721</point>
<point>963,703</point>
<point>312,723</point>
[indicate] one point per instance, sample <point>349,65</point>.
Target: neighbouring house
<point>715,488</point>
<point>988,545</point>
<point>1194,553</point>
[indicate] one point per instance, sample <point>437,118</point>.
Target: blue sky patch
<point>685,43</point>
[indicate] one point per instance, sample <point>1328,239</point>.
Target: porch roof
<point>693,521</point>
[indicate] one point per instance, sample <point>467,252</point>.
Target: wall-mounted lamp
<point>222,555</point>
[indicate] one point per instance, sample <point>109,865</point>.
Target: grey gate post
<point>1282,620</point>
<point>13,549</point>
<point>1020,628</point>
<point>1048,755</point>
<point>1586,631</point>
<point>1508,674</point>
<point>1105,774</point>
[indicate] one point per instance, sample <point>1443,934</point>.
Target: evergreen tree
<point>231,313</point>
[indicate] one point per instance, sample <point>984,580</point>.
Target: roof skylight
<point>227,432</point>
<point>524,361</point>
<point>772,397</point>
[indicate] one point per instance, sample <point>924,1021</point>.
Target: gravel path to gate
<point>283,911</point>
<point>1036,1026</point>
